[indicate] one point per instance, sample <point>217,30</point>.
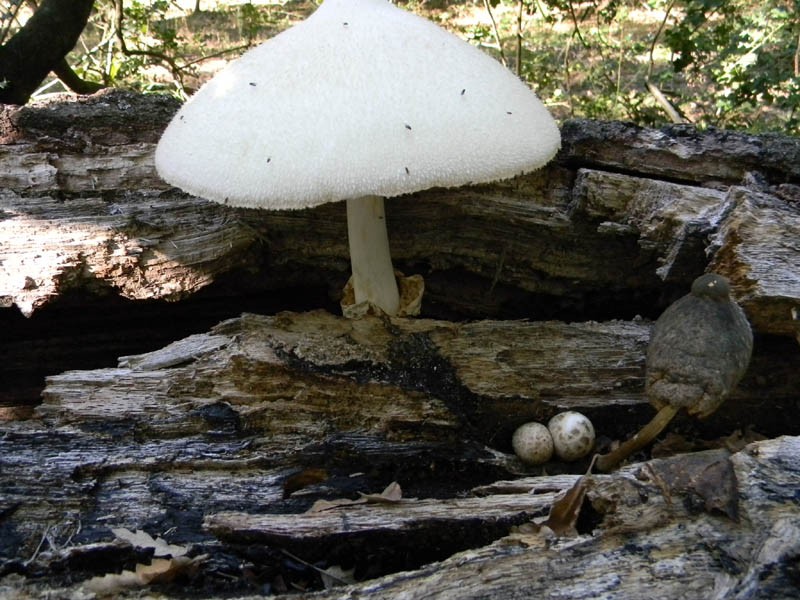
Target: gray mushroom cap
<point>362,98</point>
<point>699,349</point>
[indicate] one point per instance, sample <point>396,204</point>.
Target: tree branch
<point>39,47</point>
<point>70,79</point>
<point>496,33</point>
<point>671,111</point>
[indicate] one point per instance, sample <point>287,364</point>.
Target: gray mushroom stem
<point>646,434</point>
<point>371,261</point>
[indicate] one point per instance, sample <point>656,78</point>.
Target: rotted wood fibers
<point>540,295</point>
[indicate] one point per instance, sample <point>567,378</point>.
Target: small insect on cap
<point>362,98</point>
<point>711,285</point>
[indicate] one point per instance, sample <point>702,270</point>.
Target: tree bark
<point>617,226</point>
<point>223,441</point>
<point>40,46</point>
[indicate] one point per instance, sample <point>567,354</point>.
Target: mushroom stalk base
<point>606,462</point>
<point>373,274</point>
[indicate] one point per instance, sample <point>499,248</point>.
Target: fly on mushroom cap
<point>371,109</point>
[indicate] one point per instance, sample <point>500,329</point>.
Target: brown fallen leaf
<point>15,413</point>
<point>336,576</point>
<point>322,505</point>
<point>672,444</point>
<point>160,570</point>
<point>142,539</point>
<point>391,495</point>
<point>564,512</point>
<point>736,441</point>
<point>702,475</point>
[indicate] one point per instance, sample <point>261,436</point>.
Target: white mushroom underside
<point>362,98</point>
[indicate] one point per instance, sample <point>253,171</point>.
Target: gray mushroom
<point>699,349</point>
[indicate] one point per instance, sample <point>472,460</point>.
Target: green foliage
<point>741,58</point>
<point>724,63</point>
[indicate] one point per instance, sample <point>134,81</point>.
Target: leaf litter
<point>160,569</point>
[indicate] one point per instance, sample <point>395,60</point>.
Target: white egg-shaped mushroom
<point>573,435</point>
<point>532,443</point>
<point>360,101</point>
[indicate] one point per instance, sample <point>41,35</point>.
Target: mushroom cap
<point>362,98</point>
<point>532,443</point>
<point>573,435</point>
<point>711,285</point>
<point>699,349</point>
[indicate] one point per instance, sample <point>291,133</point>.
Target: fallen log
<point>617,226</point>
<point>624,217</point>
<point>263,416</point>
<point>220,442</point>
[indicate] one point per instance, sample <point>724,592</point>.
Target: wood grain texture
<point>222,440</point>
<point>622,218</point>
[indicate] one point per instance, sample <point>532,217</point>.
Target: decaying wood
<point>418,375</point>
<point>652,541</point>
<point>624,216</point>
<point>222,440</point>
<point>655,535</point>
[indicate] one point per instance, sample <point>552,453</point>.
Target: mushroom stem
<point>373,274</point>
<point>606,462</point>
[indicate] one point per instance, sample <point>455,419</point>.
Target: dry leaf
<point>736,441</point>
<point>703,475</point>
<point>672,444</point>
<point>161,570</point>
<point>15,413</point>
<point>564,512</point>
<point>142,539</point>
<point>391,495</point>
<point>335,576</point>
<point>322,505</point>
<point>112,584</point>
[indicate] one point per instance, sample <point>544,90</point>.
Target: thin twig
<point>174,67</point>
<point>568,75</point>
<point>671,111</point>
<point>519,40</point>
<point>216,54</point>
<point>11,20</point>
<point>39,547</point>
<point>496,33</point>
<point>797,58</point>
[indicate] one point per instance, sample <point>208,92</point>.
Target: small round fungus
<point>532,443</point>
<point>573,435</point>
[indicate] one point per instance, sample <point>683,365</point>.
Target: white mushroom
<point>532,443</point>
<point>360,101</point>
<point>573,435</point>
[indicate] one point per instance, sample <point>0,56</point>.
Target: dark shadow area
<point>82,331</point>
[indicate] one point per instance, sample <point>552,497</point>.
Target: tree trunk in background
<point>40,46</point>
